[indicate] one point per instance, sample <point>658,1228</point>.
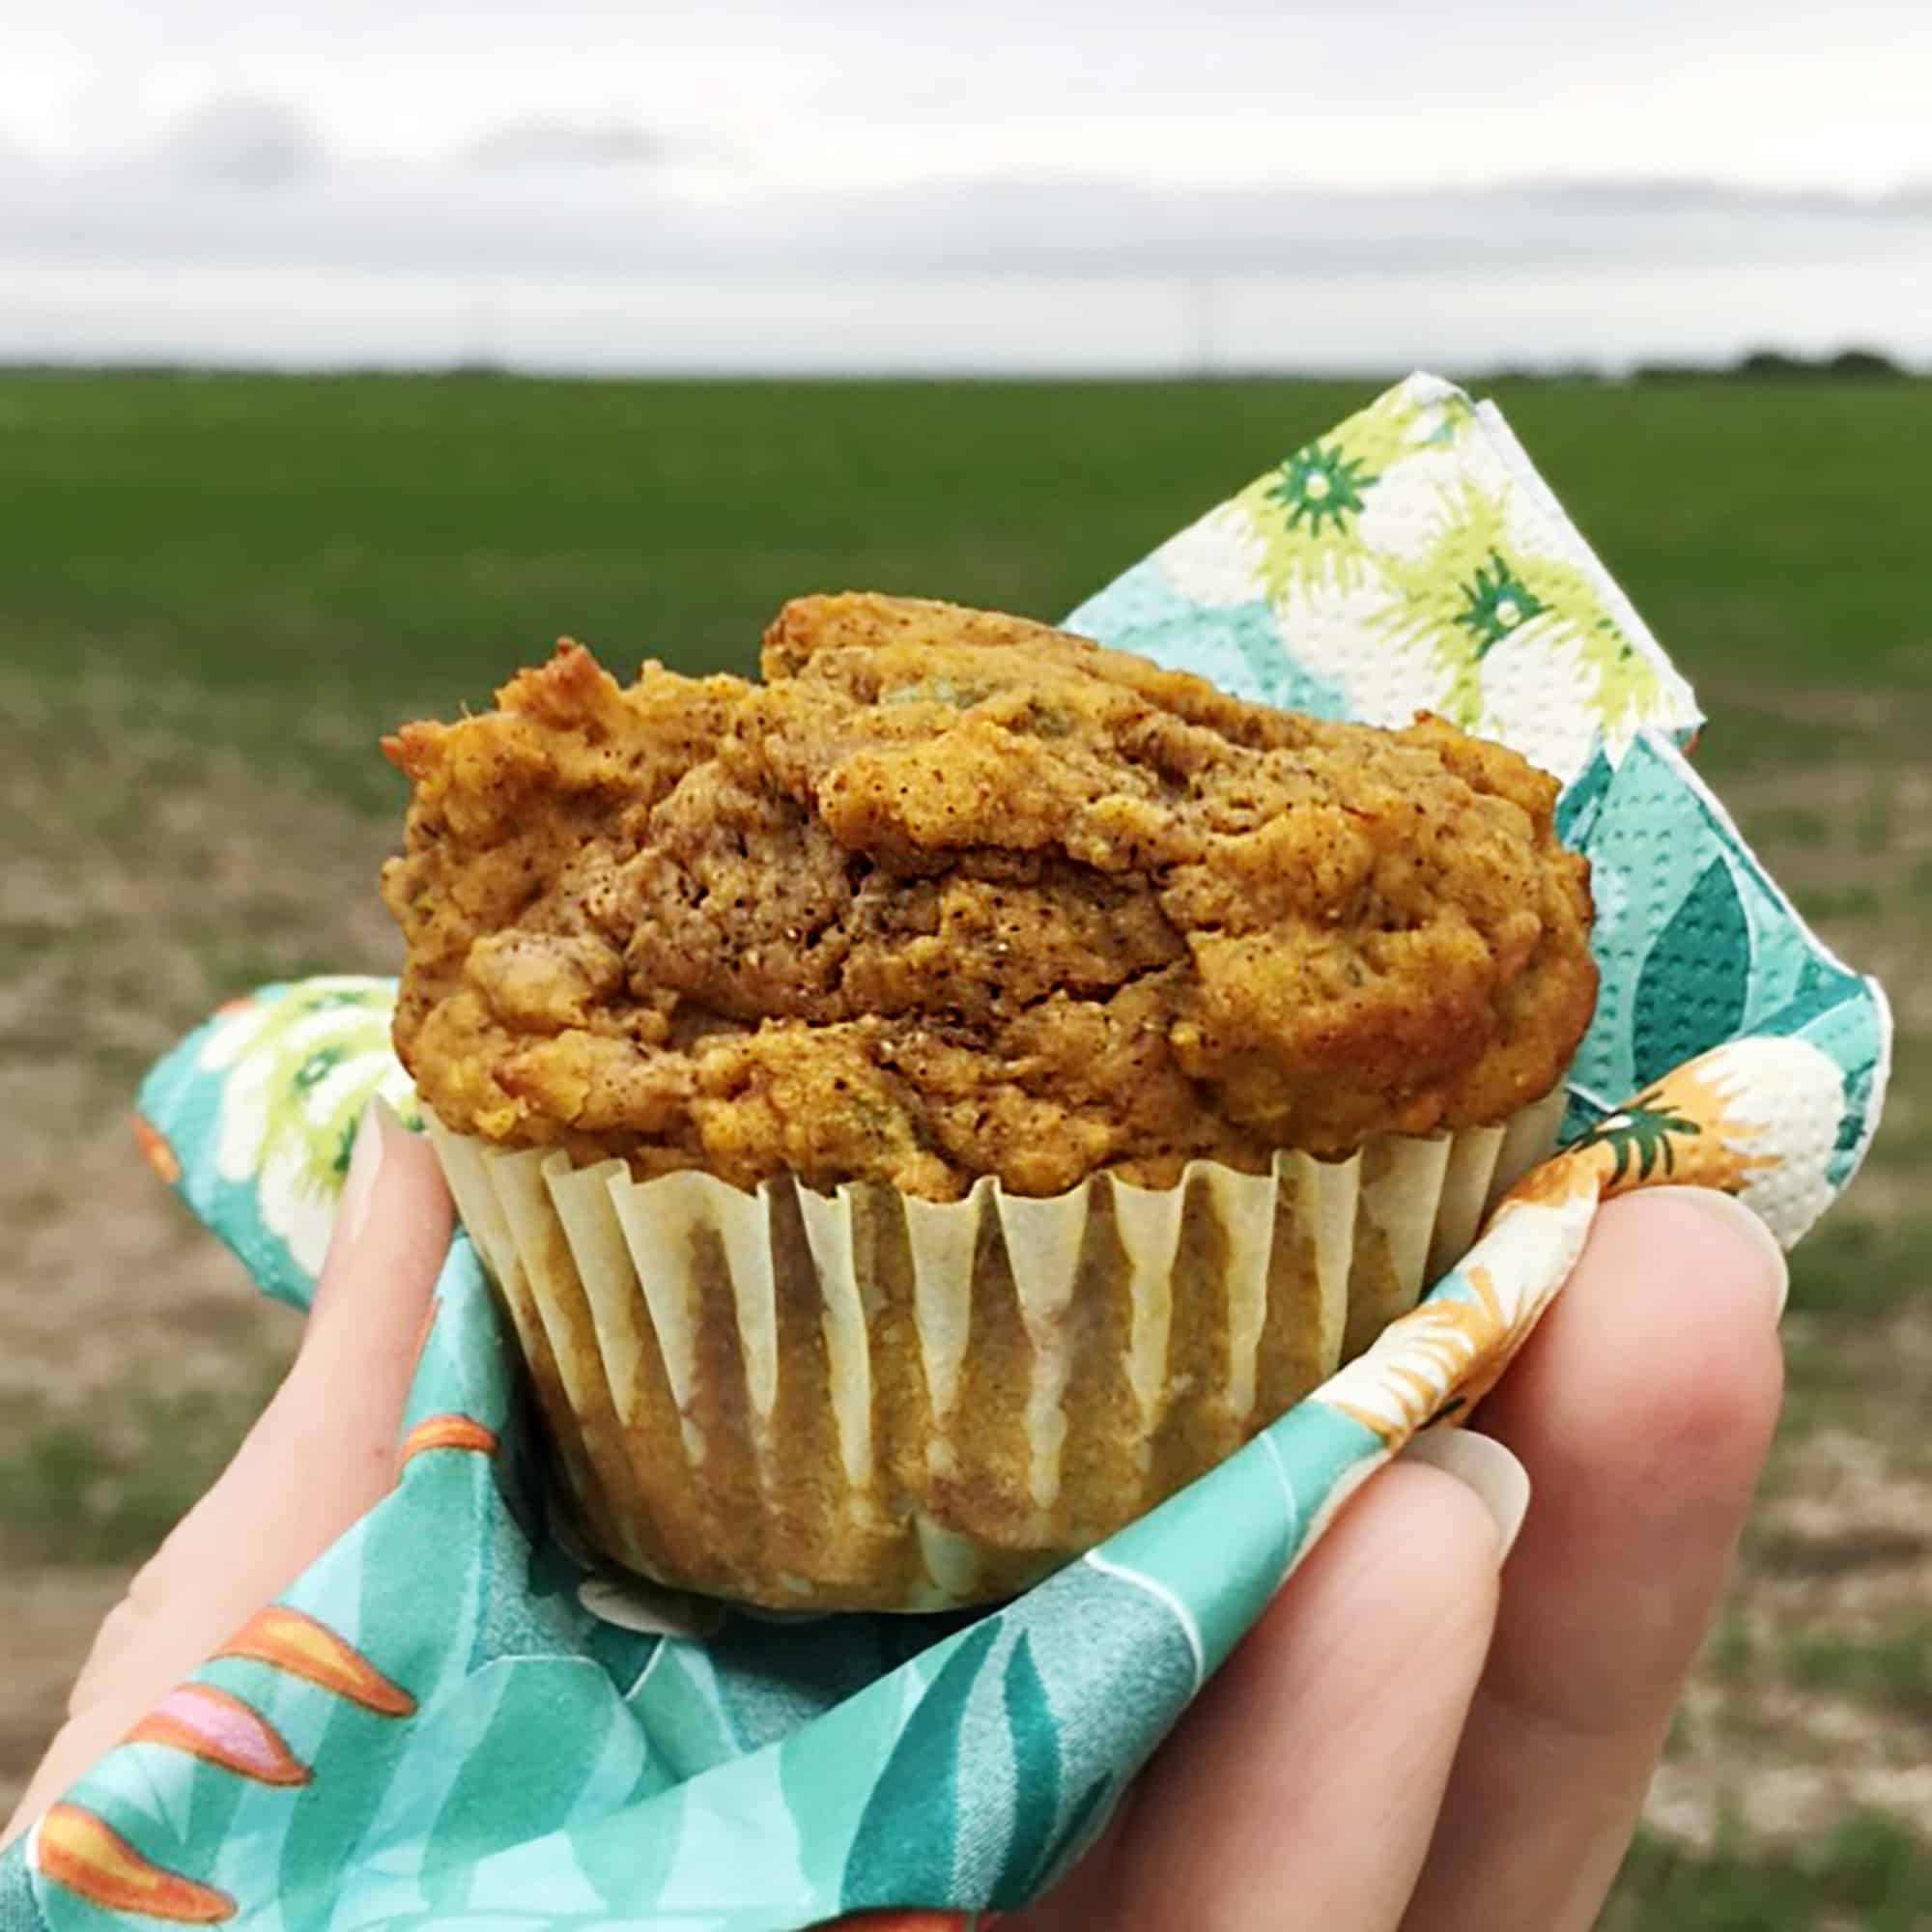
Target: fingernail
<point>1746,1223</point>
<point>1482,1463</point>
<point>365,1164</point>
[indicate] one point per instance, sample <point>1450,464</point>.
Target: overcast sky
<point>873,183</point>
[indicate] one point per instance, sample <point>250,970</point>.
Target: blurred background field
<point>216,592</point>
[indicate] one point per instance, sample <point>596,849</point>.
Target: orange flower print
<point>446,1432</point>
<point>1422,1361</point>
<point>157,1151</point>
<point>1690,1127</point>
<point>220,1729</point>
<point>291,1641</point>
<point>1574,1175</point>
<point>76,1849</point>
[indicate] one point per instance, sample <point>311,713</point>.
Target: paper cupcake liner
<point>867,1401</point>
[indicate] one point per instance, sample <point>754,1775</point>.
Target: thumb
<point>319,1456</point>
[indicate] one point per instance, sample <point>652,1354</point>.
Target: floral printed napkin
<point>454,1717</point>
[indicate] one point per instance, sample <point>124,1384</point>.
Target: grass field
<point>215,592</point>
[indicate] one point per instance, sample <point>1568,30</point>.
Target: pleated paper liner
<point>867,1401</point>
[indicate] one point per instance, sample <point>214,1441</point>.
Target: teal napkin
<point>454,1717</point>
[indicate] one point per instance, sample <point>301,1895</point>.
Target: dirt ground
<point>133,1347</point>
<point>156,875</point>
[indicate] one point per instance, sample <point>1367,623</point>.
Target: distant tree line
<point>1776,365</point>
<point>1759,365</point>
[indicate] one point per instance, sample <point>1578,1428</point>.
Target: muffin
<point>925,1108</point>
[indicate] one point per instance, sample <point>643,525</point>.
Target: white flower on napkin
<point>302,1066</point>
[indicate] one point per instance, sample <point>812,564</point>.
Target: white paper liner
<point>864,1400</point>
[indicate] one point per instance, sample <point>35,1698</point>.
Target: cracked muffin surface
<point>952,894</point>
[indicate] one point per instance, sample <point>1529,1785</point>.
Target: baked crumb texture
<point>954,895</point>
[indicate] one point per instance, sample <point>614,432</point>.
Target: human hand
<point>1407,1738</point>
<point>322,1454</point>
<point>1322,1778</point>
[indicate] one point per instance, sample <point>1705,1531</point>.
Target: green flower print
<point>303,1064</point>
<point>1306,515</point>
<point>1471,590</point>
<point>1495,601</point>
<point>1318,485</point>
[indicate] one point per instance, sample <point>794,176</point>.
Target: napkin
<point>455,1717</point>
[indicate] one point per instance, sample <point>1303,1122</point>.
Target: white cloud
<point>1109,172</point>
<point>846,323</point>
<point>543,143</point>
<point>618,217</point>
<point>243,141</point>
<point>844,92</point>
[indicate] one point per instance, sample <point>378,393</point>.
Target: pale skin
<point>1318,1780</point>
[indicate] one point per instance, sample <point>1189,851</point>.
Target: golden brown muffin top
<point>953,894</point>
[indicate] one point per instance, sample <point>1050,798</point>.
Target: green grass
<point>286,567</point>
<point>431,534</point>
<point>379,540</point>
<point>1893,1670</point>
<point>1871,1873</point>
<point>1857,1272</point>
<point>75,1491</point>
